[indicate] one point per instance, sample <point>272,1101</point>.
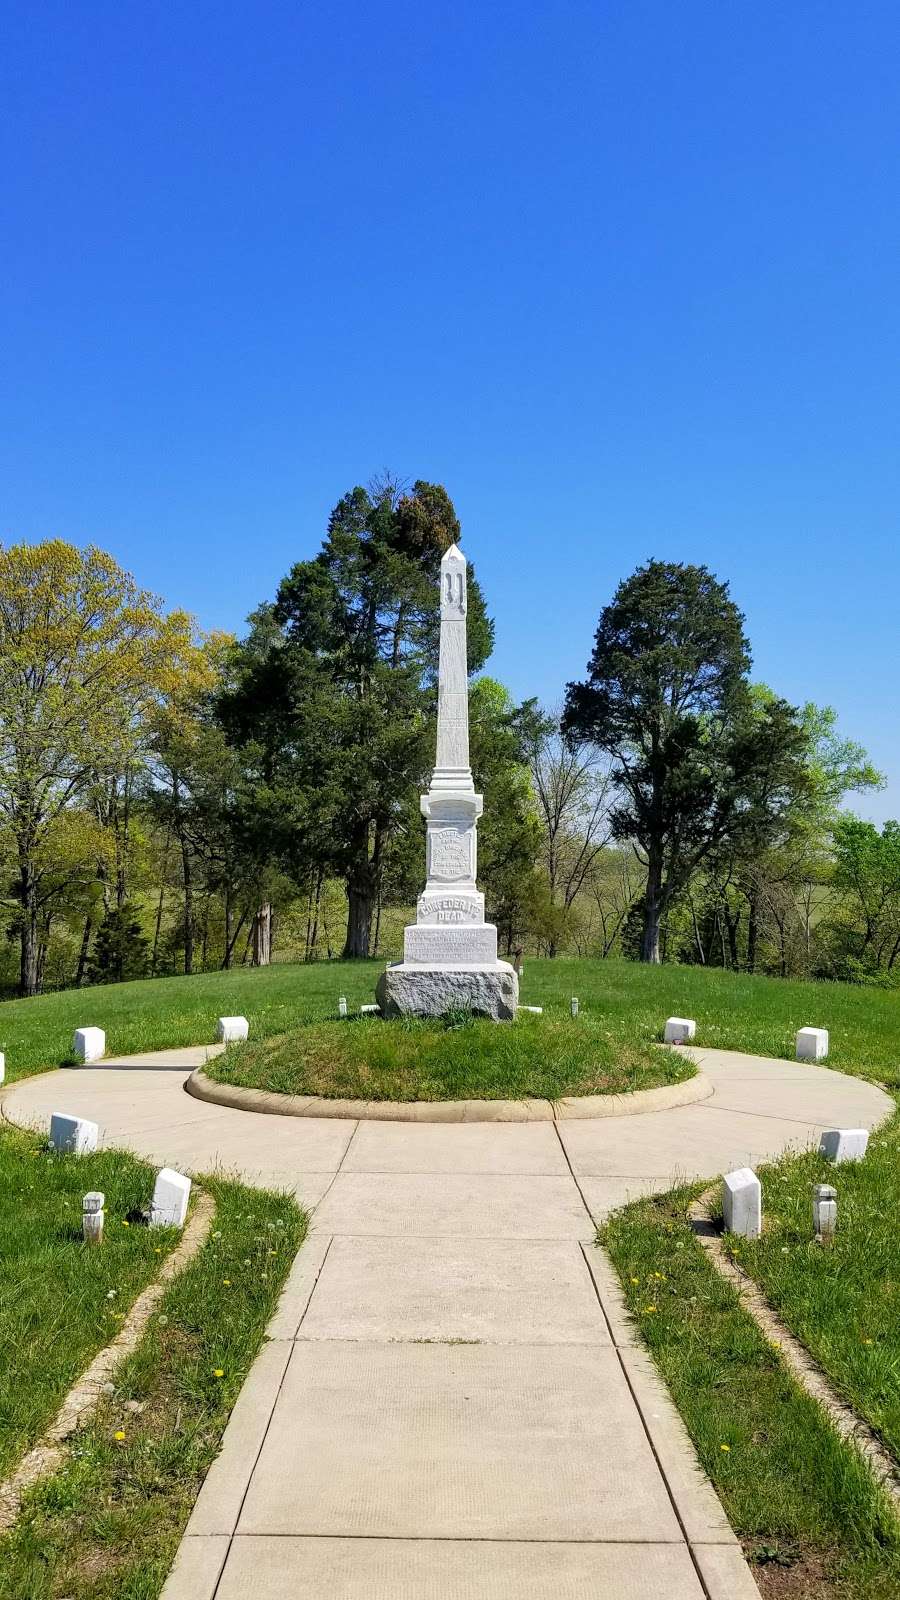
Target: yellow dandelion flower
<point>219,1372</point>
<point>119,1435</point>
<point>125,1223</point>
<point>227,1282</point>
<point>726,1448</point>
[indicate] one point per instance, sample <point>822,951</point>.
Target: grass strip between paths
<point>107,1525</point>
<point>812,1520</point>
<point>842,1300</point>
<point>62,1300</point>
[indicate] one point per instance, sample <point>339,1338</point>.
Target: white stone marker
<point>536,1011</point>
<point>679,1030</point>
<point>93,1217</point>
<point>89,1044</point>
<point>342,1005</point>
<point>73,1135</point>
<point>2,1066</point>
<point>171,1194</point>
<point>573,1005</point>
<point>450,952</point>
<point>812,1044</point>
<point>369,1011</point>
<point>844,1144</point>
<point>742,1203</point>
<point>230,1028</point>
<point>824,1211</point>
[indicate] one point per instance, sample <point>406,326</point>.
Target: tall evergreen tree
<point>667,696</point>
<point>334,690</point>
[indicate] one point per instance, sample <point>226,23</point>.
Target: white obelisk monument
<point>450,952</point>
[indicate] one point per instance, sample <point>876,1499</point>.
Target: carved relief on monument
<point>449,853</point>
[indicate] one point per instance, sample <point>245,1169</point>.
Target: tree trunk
<point>752,933</point>
<point>360,910</point>
<point>188,908</point>
<point>262,936</point>
<point>83,951</point>
<point>229,942</point>
<point>29,976</point>
<point>653,906</point>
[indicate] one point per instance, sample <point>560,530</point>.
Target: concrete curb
<point>662,1098</point>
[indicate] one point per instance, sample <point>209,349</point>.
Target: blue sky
<point>624,277</point>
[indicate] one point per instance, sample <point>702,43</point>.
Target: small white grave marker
<point>844,1144</point>
<point>2,1066</point>
<point>573,1005</point>
<point>369,1011</point>
<point>812,1044</point>
<point>342,1005</point>
<point>742,1203</point>
<point>89,1044</point>
<point>536,1011</point>
<point>824,1211</point>
<point>93,1217</point>
<point>73,1135</point>
<point>171,1194</point>
<point>231,1028</point>
<point>679,1030</point>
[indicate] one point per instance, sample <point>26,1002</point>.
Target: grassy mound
<point>452,1058</point>
<point>734,1011</point>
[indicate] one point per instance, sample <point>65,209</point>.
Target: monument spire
<point>452,770</point>
<point>450,952</point>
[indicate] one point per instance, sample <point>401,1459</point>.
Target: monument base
<point>409,989</point>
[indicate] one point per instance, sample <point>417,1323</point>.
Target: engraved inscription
<point>449,908</point>
<point>451,853</point>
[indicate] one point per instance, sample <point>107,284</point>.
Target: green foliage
<point>84,657</point>
<point>121,948</point>
<point>698,763</point>
<point>867,867</point>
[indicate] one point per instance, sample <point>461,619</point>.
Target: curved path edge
<point>594,1106</point>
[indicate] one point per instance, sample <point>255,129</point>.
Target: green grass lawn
<point>842,1300</point>
<point>367,1058</point>
<point>732,1011</point>
<point>61,1300</point>
<point>808,1512</point>
<point>107,1525</point>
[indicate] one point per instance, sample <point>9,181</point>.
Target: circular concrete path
<point>451,1401</point>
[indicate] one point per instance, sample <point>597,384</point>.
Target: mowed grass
<point>732,1011</point>
<point>367,1058</point>
<point>841,1299</point>
<point>810,1516</point>
<point>107,1525</point>
<point>60,1299</point>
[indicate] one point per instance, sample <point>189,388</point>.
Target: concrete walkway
<point>452,1405</point>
